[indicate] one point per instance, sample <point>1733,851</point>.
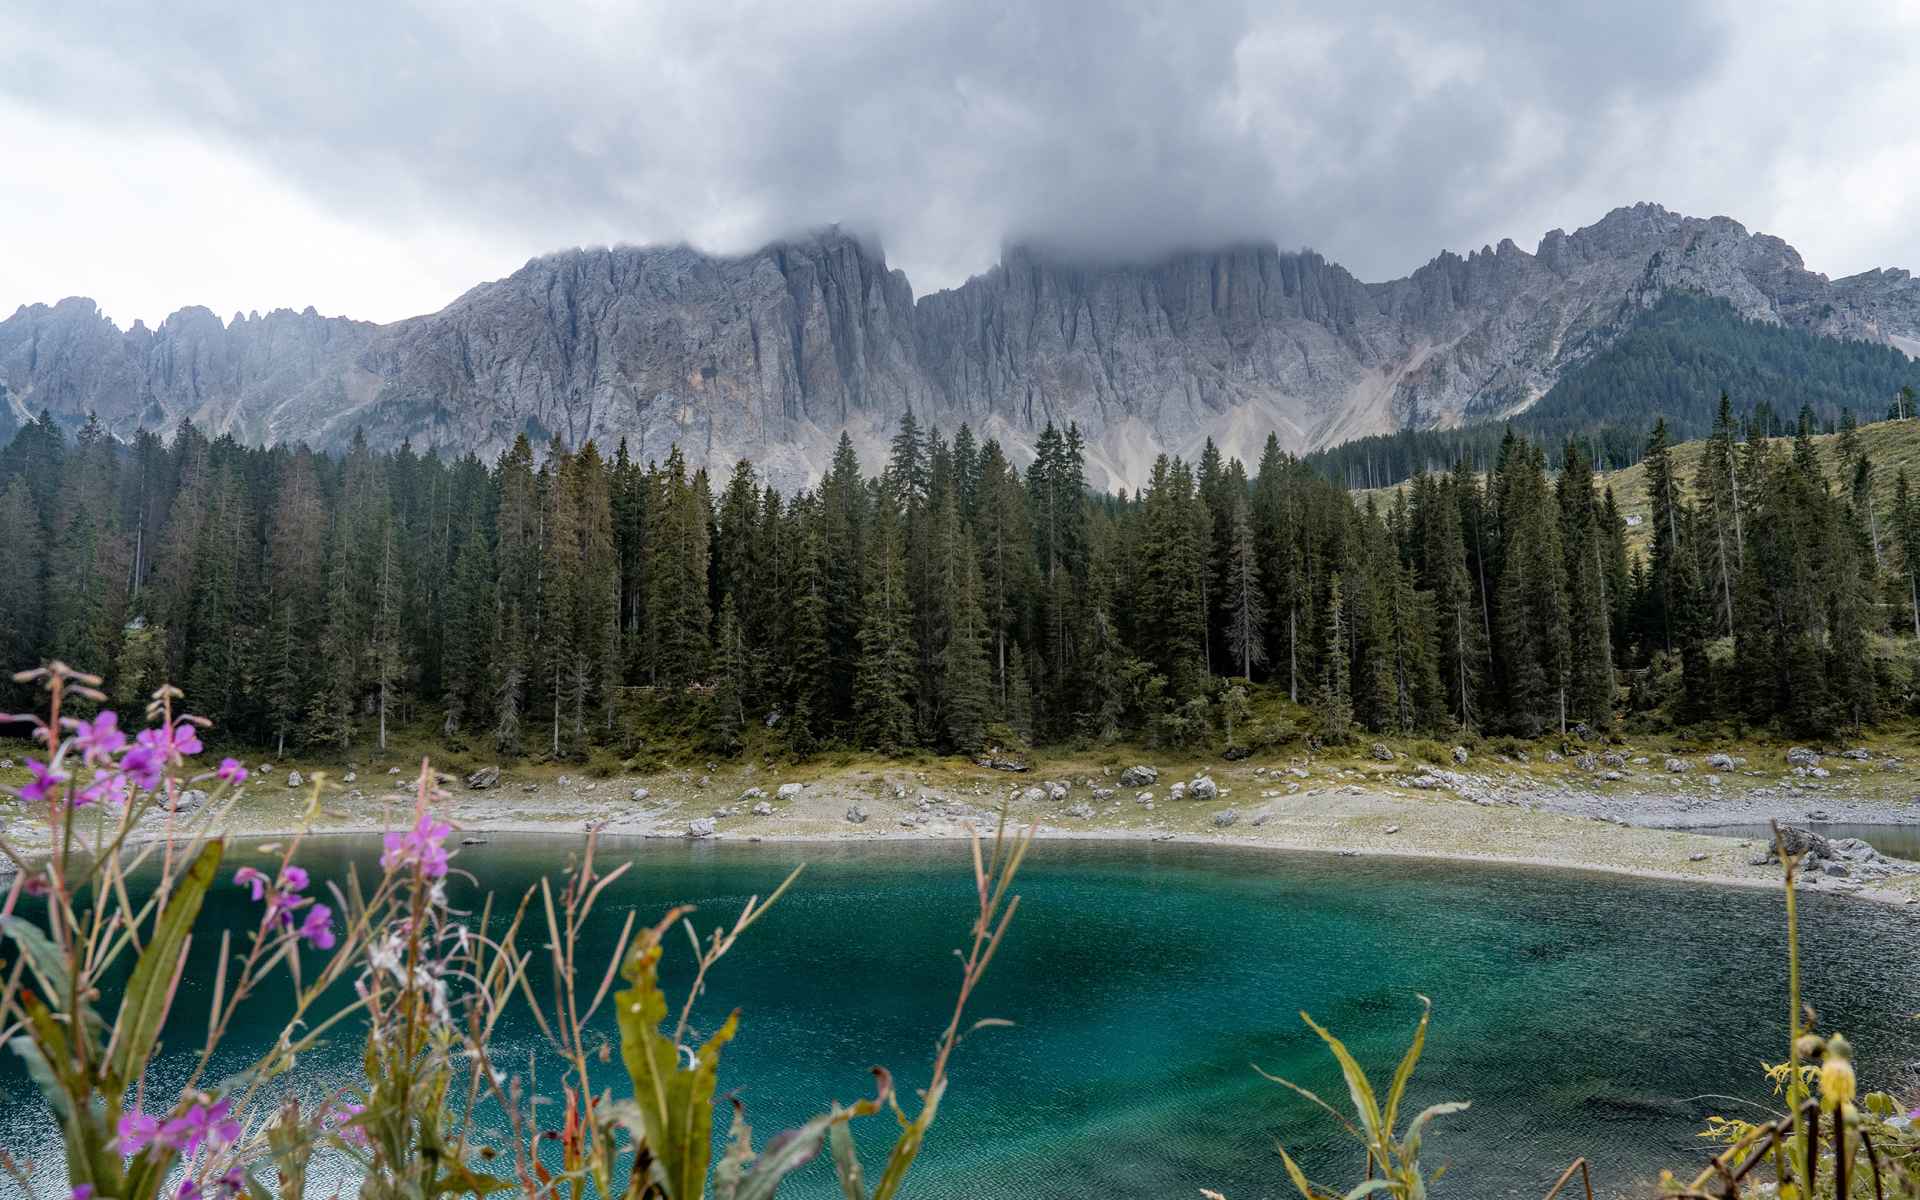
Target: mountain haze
<point>770,355</point>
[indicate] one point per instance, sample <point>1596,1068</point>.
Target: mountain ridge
<point>771,354</point>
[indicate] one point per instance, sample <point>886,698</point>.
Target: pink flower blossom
<point>180,741</point>
<point>143,765</point>
<point>232,772</point>
<point>45,780</point>
<point>203,1124</point>
<point>423,845</point>
<point>294,879</point>
<point>83,1192</point>
<point>317,928</point>
<point>99,739</point>
<point>253,878</point>
<point>352,1135</point>
<point>137,1132</point>
<point>110,786</point>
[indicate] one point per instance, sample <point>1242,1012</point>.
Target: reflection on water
<point>1577,1011</point>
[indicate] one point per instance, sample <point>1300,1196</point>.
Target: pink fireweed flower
<point>232,772</point>
<point>137,1132</point>
<point>83,1192</point>
<point>110,786</point>
<point>180,741</point>
<point>203,1124</point>
<point>99,739</point>
<point>352,1135</point>
<point>294,879</point>
<point>422,845</point>
<point>45,780</point>
<point>317,928</point>
<point>144,766</point>
<point>253,878</point>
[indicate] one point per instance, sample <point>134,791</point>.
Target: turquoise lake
<point>1582,1014</point>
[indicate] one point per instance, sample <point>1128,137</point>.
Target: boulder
<point>1056,792</point>
<point>1677,765</point>
<point>1082,810</point>
<point>857,813</point>
<point>190,801</point>
<point>763,809</point>
<point>1720,762</point>
<point>1103,793</point>
<point>1177,792</point>
<point>1380,752</point>
<point>1459,756</point>
<point>1225,817</point>
<point>564,781</point>
<point>1204,788</point>
<point>1392,829</point>
<point>1857,754</point>
<point>1236,753</point>
<point>639,795</point>
<point>1032,795</point>
<point>1000,762</point>
<point>700,827</point>
<point>349,777</point>
<point>1588,761</point>
<point>1800,756</point>
<point>753,793</point>
<point>1139,776</point>
<point>788,791</point>
<point>295,779</point>
<point>1614,759</point>
<point>484,778</point>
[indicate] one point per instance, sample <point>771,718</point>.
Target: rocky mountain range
<point>770,355</point>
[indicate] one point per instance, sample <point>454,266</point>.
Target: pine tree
<point>730,677</point>
<point>885,673</point>
<point>1246,606</point>
<point>22,549</point>
<point>1590,684</point>
<point>1333,703</point>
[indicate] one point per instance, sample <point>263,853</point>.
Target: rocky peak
<point>772,354</point>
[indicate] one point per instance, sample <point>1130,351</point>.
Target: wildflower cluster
<point>285,904</point>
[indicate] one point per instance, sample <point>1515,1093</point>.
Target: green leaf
<point>846,1164</point>
<point>1357,1086</point>
<point>1405,1071</point>
<point>1415,1130</point>
<point>675,1105</point>
<point>739,1153</point>
<point>144,1007</point>
<point>1369,1187</point>
<point>1298,1176</point>
<point>797,1147</point>
<point>42,955</point>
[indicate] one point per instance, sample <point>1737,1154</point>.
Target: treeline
<point>548,604</point>
<point>1668,365</point>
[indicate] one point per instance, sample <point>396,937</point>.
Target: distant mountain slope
<point>1671,362</point>
<point>774,353</point>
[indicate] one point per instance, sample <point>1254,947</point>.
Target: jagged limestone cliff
<point>771,355</point>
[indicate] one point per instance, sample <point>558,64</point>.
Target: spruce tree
<point>1245,592</point>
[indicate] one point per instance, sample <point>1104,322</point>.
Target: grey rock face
<point>484,778</point>
<point>700,827</point>
<point>1204,788</point>
<point>770,355</point>
<point>1138,777</point>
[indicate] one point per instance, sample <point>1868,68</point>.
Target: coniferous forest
<point>560,600</point>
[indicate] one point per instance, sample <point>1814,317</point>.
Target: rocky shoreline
<point>1558,813</point>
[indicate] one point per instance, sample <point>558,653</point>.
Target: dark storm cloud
<point>1377,133</point>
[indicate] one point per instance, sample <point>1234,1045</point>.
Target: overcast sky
<point>377,159</point>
